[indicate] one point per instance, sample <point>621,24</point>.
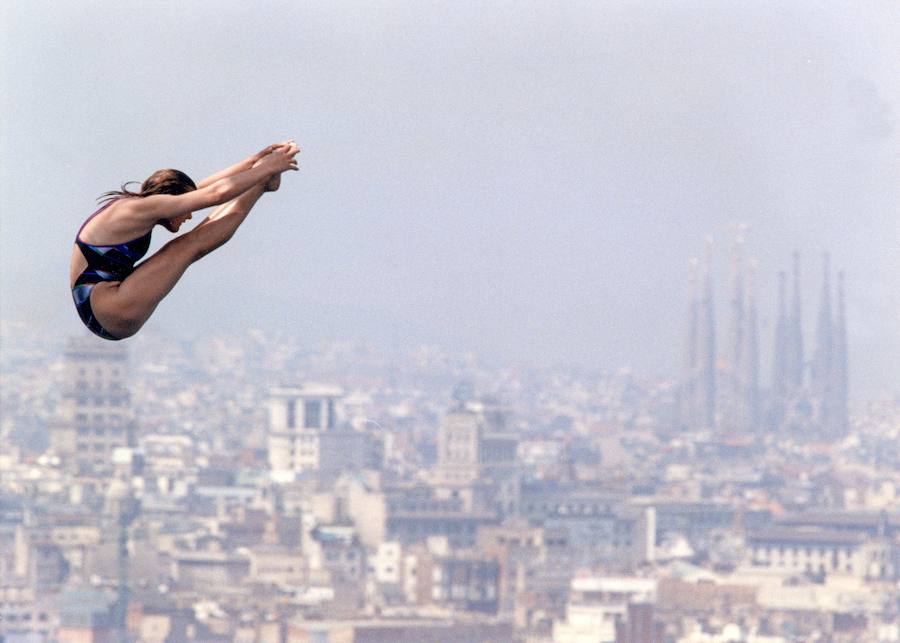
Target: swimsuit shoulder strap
<point>86,221</point>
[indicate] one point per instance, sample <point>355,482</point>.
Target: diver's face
<point>172,225</point>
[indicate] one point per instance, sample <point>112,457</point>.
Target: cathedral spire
<point>750,379</point>
<point>690,372</point>
<point>781,360</point>
<point>823,358</point>
<point>796,357</point>
<point>736,392</point>
<point>708,345</point>
<point>840,360</point>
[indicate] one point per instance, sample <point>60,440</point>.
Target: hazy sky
<point>527,180</point>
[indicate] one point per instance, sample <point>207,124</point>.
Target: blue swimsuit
<point>105,263</point>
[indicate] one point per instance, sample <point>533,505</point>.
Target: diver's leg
<point>123,307</point>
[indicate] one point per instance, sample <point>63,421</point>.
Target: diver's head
<point>167,181</point>
<point>173,182</point>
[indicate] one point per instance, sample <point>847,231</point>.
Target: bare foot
<point>273,183</point>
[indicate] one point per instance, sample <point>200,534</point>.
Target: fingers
<point>280,156</point>
<point>289,144</point>
<point>282,162</point>
<point>286,146</point>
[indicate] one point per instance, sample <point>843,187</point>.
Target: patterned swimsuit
<point>105,263</point>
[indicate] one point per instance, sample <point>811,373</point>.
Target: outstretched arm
<point>242,166</point>
<point>165,206</point>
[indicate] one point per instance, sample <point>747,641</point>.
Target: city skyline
<point>233,489</point>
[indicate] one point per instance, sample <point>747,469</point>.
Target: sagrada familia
<point>721,390</point>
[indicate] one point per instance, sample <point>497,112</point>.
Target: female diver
<point>114,298</point>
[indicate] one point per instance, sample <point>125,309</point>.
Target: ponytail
<point>167,181</point>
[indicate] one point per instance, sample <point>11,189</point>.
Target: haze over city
<point>527,181</point>
<point>578,324</point>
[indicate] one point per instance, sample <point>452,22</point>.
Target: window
<point>292,414</point>
<point>312,414</point>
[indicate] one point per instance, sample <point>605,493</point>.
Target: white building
<point>298,417</point>
<point>597,604</point>
<point>814,550</point>
<point>473,444</point>
<point>386,564</point>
